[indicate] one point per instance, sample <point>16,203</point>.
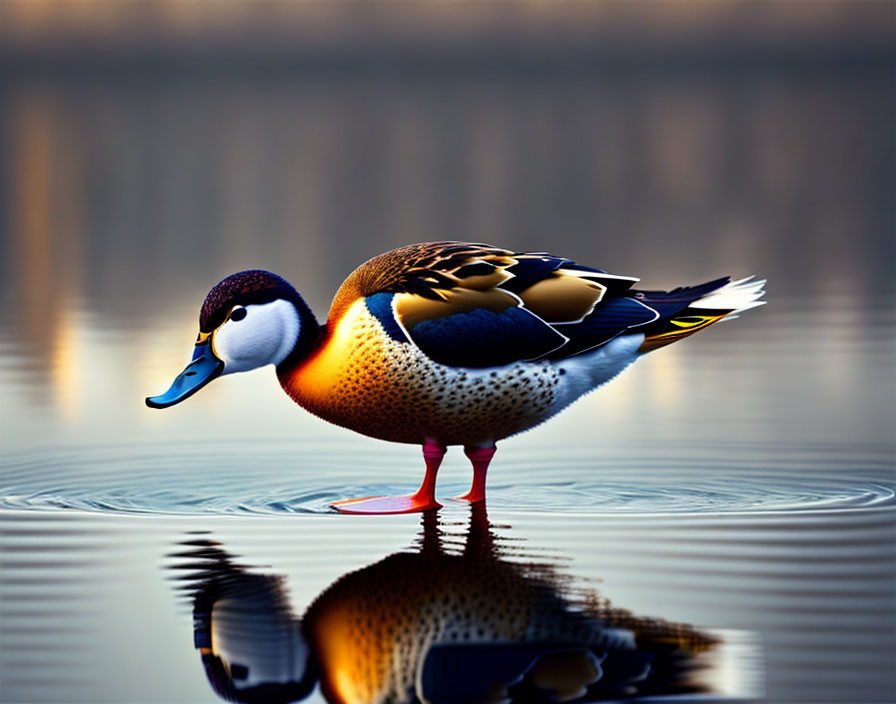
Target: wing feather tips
<point>736,296</point>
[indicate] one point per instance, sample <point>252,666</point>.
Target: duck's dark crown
<point>243,288</point>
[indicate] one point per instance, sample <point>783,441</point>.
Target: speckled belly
<point>364,380</point>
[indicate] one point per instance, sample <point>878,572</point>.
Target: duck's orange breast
<point>365,380</point>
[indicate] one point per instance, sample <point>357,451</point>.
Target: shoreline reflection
<point>472,617</point>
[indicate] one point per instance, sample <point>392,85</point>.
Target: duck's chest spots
<point>365,380</point>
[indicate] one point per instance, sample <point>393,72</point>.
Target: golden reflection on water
<point>461,617</point>
<point>67,365</point>
<point>47,243</point>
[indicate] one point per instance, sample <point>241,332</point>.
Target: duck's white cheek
<point>247,344</point>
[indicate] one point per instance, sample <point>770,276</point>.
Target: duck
<point>457,618</point>
<point>446,343</point>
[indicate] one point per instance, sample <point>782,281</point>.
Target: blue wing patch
<point>483,338</point>
<point>380,307</point>
<point>478,338</point>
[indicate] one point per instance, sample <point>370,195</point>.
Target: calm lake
<point>739,487</point>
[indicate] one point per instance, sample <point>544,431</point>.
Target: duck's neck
<point>310,335</point>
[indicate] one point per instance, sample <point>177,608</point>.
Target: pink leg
<point>480,457</point>
<point>421,500</point>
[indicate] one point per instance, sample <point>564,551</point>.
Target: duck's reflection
<point>485,621</point>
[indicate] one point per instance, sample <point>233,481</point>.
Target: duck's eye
<point>238,314</point>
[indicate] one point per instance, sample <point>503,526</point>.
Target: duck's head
<point>249,320</point>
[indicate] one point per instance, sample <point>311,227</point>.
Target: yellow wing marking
<point>684,327</point>
<point>563,297</point>
<point>413,309</point>
<point>688,325</point>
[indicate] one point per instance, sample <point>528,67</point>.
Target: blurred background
<point>148,149</point>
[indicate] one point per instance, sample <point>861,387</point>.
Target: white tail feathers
<point>736,296</point>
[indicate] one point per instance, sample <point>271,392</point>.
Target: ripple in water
<point>230,480</point>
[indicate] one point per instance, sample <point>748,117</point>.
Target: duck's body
<point>414,349</point>
<point>450,343</point>
<point>362,379</point>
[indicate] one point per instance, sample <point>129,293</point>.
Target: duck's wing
<point>474,305</point>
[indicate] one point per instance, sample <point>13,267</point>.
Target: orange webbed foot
<point>421,500</point>
<point>383,505</point>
